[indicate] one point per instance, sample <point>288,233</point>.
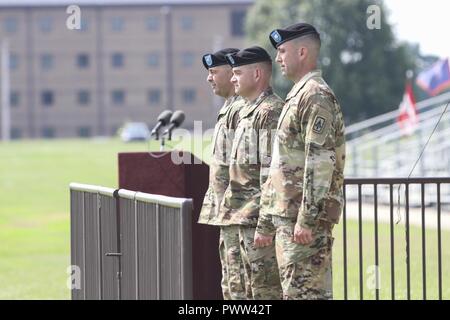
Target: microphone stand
<point>161,145</point>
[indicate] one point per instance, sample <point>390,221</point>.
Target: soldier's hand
<point>302,235</point>
<point>261,240</point>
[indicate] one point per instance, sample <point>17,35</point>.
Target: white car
<point>135,131</point>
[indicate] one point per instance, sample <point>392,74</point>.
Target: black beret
<point>279,36</point>
<point>211,60</point>
<point>248,56</point>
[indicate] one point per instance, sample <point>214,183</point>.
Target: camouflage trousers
<point>262,280</point>
<point>233,282</point>
<point>305,270</point>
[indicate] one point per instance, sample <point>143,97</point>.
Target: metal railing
<point>152,257</point>
<point>130,245</point>
<point>394,247</point>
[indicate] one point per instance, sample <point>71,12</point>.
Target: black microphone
<point>163,119</point>
<point>176,120</point>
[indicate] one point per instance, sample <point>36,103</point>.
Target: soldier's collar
<point>227,105</point>
<point>262,96</point>
<point>231,99</point>
<point>296,88</point>
<point>253,105</point>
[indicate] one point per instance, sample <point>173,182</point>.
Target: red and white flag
<point>408,118</point>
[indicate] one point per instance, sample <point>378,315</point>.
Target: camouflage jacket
<point>219,165</point>
<point>306,174</point>
<point>250,159</point>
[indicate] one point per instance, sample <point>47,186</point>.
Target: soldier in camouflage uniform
<point>219,75</point>
<point>302,198</point>
<point>249,164</point>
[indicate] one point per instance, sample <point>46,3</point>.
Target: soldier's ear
<point>302,52</point>
<point>257,73</point>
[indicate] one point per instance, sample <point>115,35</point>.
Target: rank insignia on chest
<point>319,124</point>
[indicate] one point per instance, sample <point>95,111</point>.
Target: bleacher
<point>378,148</point>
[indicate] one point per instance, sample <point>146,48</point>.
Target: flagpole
<point>5,94</point>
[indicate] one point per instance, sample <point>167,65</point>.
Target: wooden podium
<point>157,173</point>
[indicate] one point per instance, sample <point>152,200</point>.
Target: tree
<point>365,68</point>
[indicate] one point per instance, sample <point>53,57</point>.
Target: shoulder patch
<point>319,127</point>
<point>319,124</point>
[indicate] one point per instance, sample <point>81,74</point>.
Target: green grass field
<point>35,231</point>
<point>400,273</point>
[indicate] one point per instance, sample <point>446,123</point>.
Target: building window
<point>117,24</point>
<point>187,59</point>
<point>117,60</point>
<point>82,60</point>
<point>45,24</point>
<point>238,23</point>
<point>84,24</point>
<point>153,59</point>
<point>118,97</point>
<point>187,23</point>
<point>10,25</point>
<point>152,23</point>
<point>84,132</point>
<point>14,99</point>
<point>47,98</point>
<point>83,97</point>
<point>48,132</point>
<point>13,61</point>
<point>16,133</point>
<point>188,96</point>
<point>154,96</point>
<point>46,61</point>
